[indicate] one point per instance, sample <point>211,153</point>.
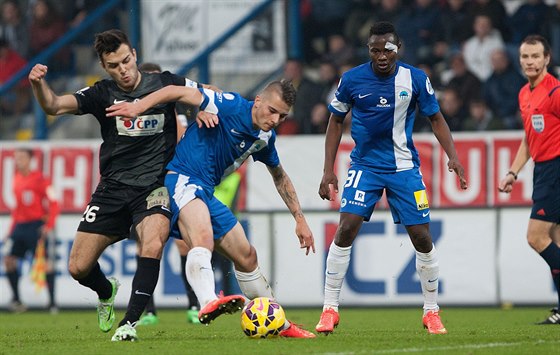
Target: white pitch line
<point>443,348</point>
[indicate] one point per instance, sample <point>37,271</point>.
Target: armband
<point>512,174</point>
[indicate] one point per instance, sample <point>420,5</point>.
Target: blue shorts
<point>546,191</point>
<point>183,189</point>
<point>24,238</point>
<point>406,194</point>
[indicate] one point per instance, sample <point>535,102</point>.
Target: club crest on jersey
<point>146,125</point>
<point>404,95</point>
<point>421,200</point>
<point>538,123</point>
<point>383,102</point>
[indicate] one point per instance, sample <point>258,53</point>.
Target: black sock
<point>193,301</point>
<point>552,257</point>
<point>13,278</point>
<point>143,285</point>
<point>150,306</point>
<point>50,285</point>
<point>97,281</point>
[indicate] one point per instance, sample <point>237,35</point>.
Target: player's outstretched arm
<point>287,192</point>
<point>328,187</point>
<point>51,103</point>
<point>171,93</point>
<point>443,135</point>
<point>522,156</point>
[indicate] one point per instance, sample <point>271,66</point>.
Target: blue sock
<point>552,256</point>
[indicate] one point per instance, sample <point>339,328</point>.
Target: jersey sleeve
<point>555,101</point>
<point>342,101</point>
<point>216,102</point>
<point>174,79</point>
<point>427,102</point>
<point>268,155</point>
<point>90,100</point>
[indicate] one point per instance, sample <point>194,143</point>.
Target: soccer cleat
<point>192,316</point>
<point>293,331</point>
<point>17,307</point>
<point>125,332</point>
<point>329,321</point>
<point>148,319</point>
<point>222,304</point>
<point>554,318</point>
<point>105,308</point>
<point>432,322</point>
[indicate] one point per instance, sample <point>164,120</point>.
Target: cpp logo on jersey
<point>146,125</point>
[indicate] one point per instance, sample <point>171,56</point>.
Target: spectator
<point>452,109</point>
<point>478,48</point>
<point>528,19</point>
<point>17,100</point>
<point>551,30</point>
<point>339,50</point>
<point>45,28</point>
<point>308,95</point>
<point>456,23</point>
<point>328,76</point>
<point>13,28</point>
<point>461,79</point>
<point>480,118</point>
<point>496,11</point>
<point>420,29</point>
<point>501,88</point>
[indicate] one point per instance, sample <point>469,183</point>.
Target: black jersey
<point>133,152</point>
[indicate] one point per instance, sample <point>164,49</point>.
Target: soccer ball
<point>262,318</point>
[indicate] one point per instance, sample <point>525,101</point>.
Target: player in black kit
<point>132,164</point>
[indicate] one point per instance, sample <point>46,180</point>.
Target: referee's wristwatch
<point>512,174</point>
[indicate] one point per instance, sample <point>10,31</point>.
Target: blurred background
<point>468,49</point>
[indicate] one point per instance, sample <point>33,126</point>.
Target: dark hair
<point>383,28</point>
<point>285,88</point>
<point>109,42</point>
<point>150,67</point>
<point>534,39</point>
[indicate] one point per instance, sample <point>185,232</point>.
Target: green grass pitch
<point>361,331</point>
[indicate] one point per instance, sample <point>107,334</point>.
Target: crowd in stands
<point>467,47</point>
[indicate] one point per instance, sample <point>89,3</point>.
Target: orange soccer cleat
<point>432,322</point>
<point>329,321</point>
<point>293,331</point>
<point>223,304</point>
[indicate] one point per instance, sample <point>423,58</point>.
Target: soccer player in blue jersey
<point>383,95</point>
<point>202,158</point>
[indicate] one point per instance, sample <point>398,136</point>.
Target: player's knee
<point>346,234</point>
<point>77,270</point>
<point>538,242</point>
<point>10,262</point>
<point>152,248</point>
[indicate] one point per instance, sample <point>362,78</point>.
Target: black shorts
<point>24,238</point>
<point>115,207</point>
<point>546,191</point>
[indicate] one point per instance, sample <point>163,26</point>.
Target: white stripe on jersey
<point>211,107</point>
<point>340,106</point>
<point>403,155</point>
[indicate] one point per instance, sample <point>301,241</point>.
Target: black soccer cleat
<point>554,318</point>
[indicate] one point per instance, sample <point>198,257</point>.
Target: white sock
<point>427,266</point>
<point>200,274</point>
<point>253,284</point>
<point>338,260</point>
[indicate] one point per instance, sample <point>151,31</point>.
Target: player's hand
<point>207,119</point>
<point>305,236</point>
<point>506,184</point>
<point>329,186</point>
<point>455,165</point>
<point>37,73</point>
<point>125,111</point>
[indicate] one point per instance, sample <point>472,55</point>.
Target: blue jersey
<point>209,154</point>
<point>383,110</point>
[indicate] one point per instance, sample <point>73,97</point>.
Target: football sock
<point>143,285</point>
<point>97,281</point>
<point>150,306</point>
<point>13,278</point>
<point>253,284</point>
<point>427,266</point>
<point>338,260</point>
<point>50,276</point>
<point>552,257</point>
<point>193,301</point>
<point>200,274</point>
